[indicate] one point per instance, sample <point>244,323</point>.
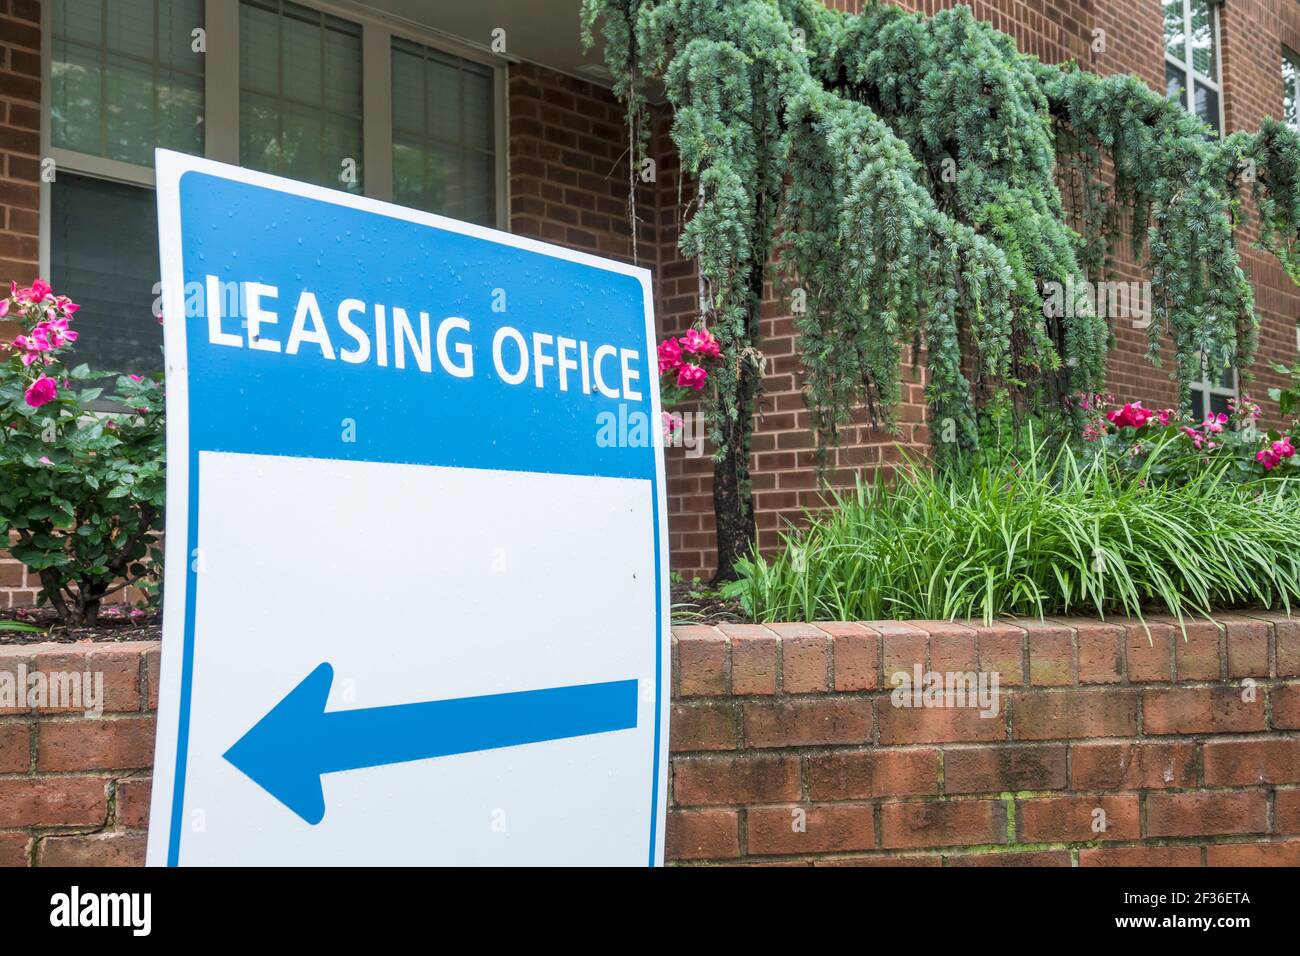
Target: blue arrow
<point>287,751</point>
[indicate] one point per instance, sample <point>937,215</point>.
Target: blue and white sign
<point>416,585</point>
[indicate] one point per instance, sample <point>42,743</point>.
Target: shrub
<point>81,491</point>
<point>1036,536</point>
<point>1160,446</point>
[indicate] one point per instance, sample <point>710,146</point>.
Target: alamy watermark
<point>936,689</point>
<point>61,690</point>
<point>1106,300</point>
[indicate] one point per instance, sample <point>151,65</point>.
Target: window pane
<point>1175,38</point>
<point>301,61</point>
<point>1175,84</point>
<point>1204,42</point>
<point>76,98</point>
<point>180,108</point>
<point>342,72</point>
<point>129,110</point>
<point>300,101</point>
<point>444,157</point>
<point>104,256</point>
<point>124,77</point>
<point>1219,405</point>
<point>259,42</point>
<point>80,21</point>
<point>131,27</point>
<point>1207,105</point>
<point>478,109</point>
<point>408,92</point>
<point>444,100</point>
<point>1198,405</point>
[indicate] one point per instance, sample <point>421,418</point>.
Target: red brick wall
<point>20,144</point>
<point>788,750</point>
<point>74,791</point>
<point>769,721</point>
<point>569,167</point>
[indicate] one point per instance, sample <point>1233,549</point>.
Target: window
<point>124,77</point>
<point>300,93</point>
<point>112,281</point>
<point>443,134</point>
<point>1192,58</point>
<point>1212,393</point>
<point>1291,89</point>
<point>280,86</point>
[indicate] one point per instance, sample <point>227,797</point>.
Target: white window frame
<point>221,103</point>
<point>1292,57</point>
<point>1208,386</point>
<point>1190,75</point>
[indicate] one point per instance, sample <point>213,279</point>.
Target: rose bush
<point>1131,435</point>
<point>81,489</point>
<point>684,363</point>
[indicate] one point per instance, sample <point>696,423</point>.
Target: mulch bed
<point>692,604</point>
<point>116,624</point>
<point>695,604</point>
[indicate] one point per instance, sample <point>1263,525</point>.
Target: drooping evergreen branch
<point>908,173</point>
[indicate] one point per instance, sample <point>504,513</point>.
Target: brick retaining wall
<point>787,748</point>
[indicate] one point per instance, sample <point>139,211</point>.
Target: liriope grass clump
<point>1033,536</point>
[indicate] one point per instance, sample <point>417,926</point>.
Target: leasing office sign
<point>406,579</point>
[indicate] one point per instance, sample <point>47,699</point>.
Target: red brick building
<point>491,112</point>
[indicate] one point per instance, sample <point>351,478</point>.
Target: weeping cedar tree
<point>919,182</point>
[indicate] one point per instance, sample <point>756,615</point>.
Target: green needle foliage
<point>924,184</point>
<point>1034,537</point>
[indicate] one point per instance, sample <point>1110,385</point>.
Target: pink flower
<point>1132,415</point>
<point>1166,416</point>
<point>670,356</point>
<point>41,392</point>
<point>4,308</point>
<point>692,376</point>
<point>57,332</point>
<point>136,378</point>
<point>671,422</point>
<point>39,290</point>
<point>44,460</point>
<point>701,342</point>
<point>1267,459</point>
<point>1283,448</point>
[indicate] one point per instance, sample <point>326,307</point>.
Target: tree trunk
<point>733,500</point>
<point>733,495</point>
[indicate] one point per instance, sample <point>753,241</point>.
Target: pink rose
<point>692,376</point>
<point>670,356</point>
<point>1132,415</point>
<point>41,392</point>
<point>701,342</point>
